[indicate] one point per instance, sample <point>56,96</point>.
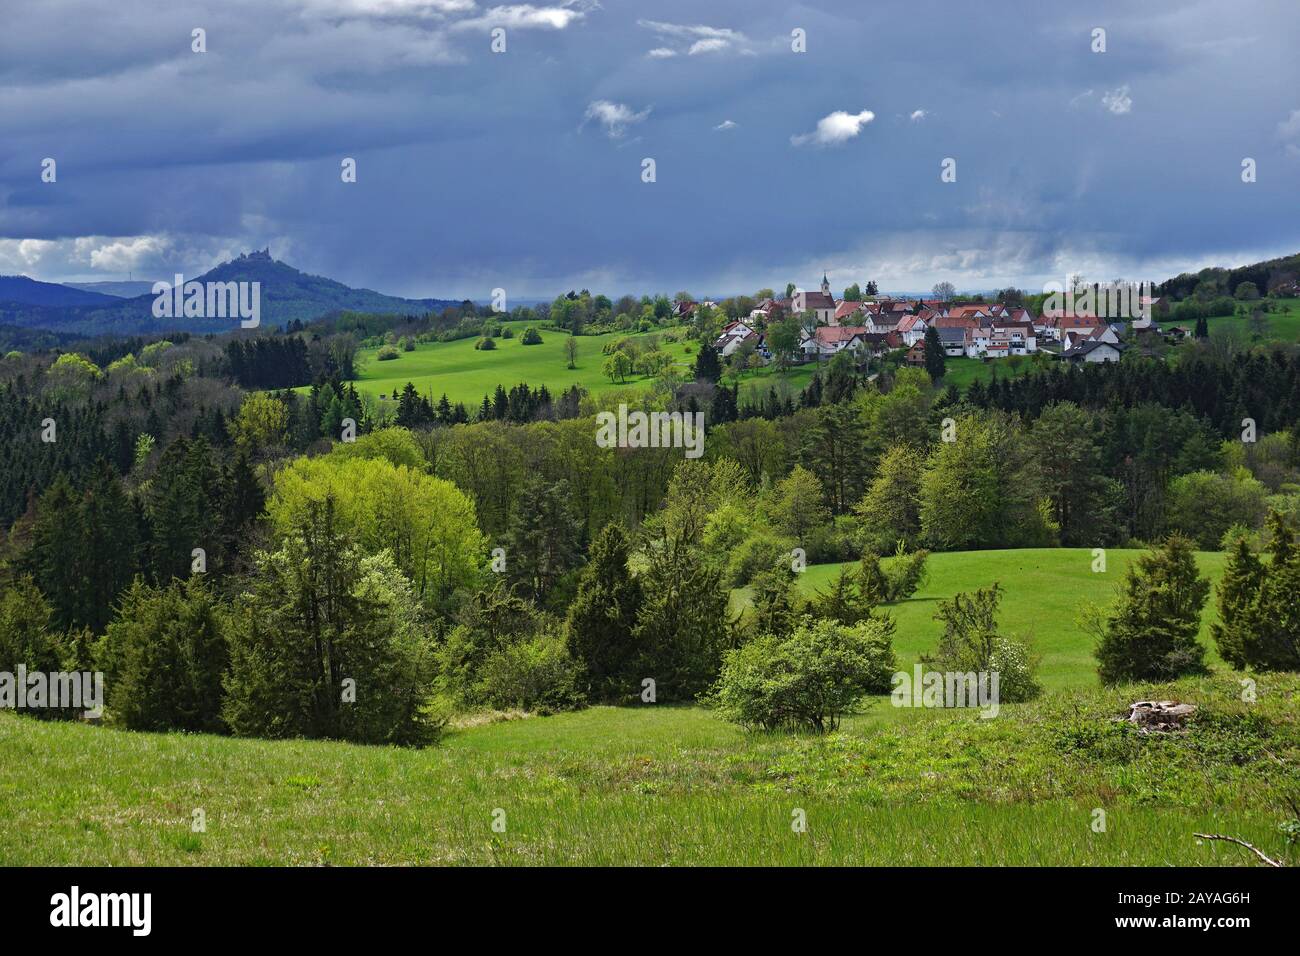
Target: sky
<point>525,169</point>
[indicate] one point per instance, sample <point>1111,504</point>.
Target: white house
<point>831,339</point>
<point>1094,351</point>
<point>734,335</point>
<point>912,329</point>
<point>1075,337</point>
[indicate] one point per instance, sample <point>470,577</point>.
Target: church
<point>821,304</point>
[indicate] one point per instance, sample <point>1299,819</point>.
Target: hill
<point>119,290</point>
<point>286,294</point>
<point>22,290</point>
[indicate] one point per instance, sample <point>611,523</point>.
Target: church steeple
<point>826,285</point>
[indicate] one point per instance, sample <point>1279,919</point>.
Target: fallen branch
<point>1228,839</point>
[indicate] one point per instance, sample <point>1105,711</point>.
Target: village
<point>873,326</point>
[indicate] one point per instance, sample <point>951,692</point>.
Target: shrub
<point>408,345</point>
<point>971,643</point>
<point>507,333</point>
<point>754,555</point>
<point>538,674</point>
<point>493,620</point>
<point>387,353</point>
<point>531,337</point>
<point>26,638</point>
<point>485,345</point>
<point>906,574</point>
<point>808,680</point>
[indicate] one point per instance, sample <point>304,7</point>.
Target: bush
<point>531,337</point>
<point>754,555</point>
<point>971,643</point>
<point>491,621</point>
<point>507,333</point>
<point>906,574</point>
<point>387,353</point>
<point>808,680</point>
<point>538,674</point>
<point>408,345</point>
<point>485,345</point>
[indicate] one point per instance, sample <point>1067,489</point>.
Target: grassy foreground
<point>658,785</point>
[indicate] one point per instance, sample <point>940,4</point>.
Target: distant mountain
<point>286,294</point>
<point>121,290</point>
<point>25,291</point>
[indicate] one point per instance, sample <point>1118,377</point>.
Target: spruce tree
<point>1238,591</point>
<point>603,616</point>
<point>1269,628</point>
<point>1150,634</point>
<point>935,359</point>
<point>707,367</point>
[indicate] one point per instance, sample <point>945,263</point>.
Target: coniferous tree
<point>1150,633</point>
<point>935,358</point>
<point>1238,592</point>
<point>544,539</point>
<point>603,616</point>
<point>1266,632</point>
<point>707,366</point>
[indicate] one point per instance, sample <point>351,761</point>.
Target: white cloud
<point>379,8</point>
<point>701,38</point>
<point>112,257</point>
<point>661,53</point>
<point>918,115</point>
<point>711,45</point>
<point>833,130</point>
<point>523,16</point>
<point>1118,101</point>
<point>725,125</point>
<point>615,117</point>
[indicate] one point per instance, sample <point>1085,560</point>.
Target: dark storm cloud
<point>522,169</point>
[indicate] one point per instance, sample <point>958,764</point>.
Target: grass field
<point>962,372</point>
<point>659,785</point>
<point>466,374</point>
<point>1045,589</point>
<point>1283,326</point>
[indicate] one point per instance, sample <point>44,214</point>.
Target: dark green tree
<point>603,616</point>
<point>1150,633</point>
<point>935,359</point>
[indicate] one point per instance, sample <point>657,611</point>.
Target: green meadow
<point>657,785</point>
<point>465,374</point>
<point>1045,589</point>
<point>1283,326</point>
